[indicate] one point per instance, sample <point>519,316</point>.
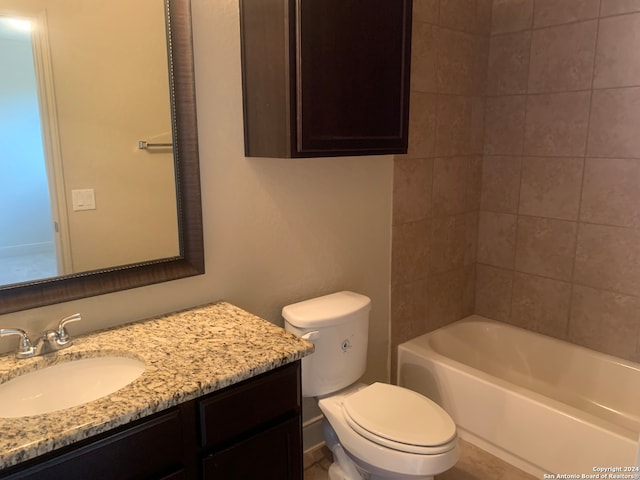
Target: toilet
<point>377,431</point>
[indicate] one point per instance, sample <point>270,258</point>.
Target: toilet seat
<point>400,419</point>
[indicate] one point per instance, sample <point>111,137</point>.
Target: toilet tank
<point>338,325</point>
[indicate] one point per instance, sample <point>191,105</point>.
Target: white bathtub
<point>544,405</point>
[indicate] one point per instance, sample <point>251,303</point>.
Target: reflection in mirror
<point>27,238</point>
<point>90,81</point>
<point>85,196</point>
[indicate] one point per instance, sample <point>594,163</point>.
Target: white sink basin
<point>66,385</point>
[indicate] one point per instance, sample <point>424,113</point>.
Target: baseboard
<point>27,249</point>
<point>312,436</point>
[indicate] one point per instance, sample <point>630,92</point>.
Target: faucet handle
<point>63,335</point>
<point>25,348</point>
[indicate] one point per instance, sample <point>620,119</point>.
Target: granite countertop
<point>187,354</point>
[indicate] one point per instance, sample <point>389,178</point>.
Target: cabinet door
<point>353,68</point>
<point>274,454</point>
<point>325,77</point>
<point>150,449</point>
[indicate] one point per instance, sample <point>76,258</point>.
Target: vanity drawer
<point>250,405</point>
<point>272,454</point>
<point>152,448</point>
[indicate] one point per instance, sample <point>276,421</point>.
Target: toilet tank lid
<point>327,310</point>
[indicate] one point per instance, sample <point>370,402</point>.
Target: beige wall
<point>437,184</point>
<point>276,231</point>
<point>559,237</point>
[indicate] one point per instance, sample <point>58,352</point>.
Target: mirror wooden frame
<point>190,262</point>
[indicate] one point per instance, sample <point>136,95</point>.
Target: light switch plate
<point>83,199</point>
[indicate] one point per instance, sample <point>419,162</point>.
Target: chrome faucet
<point>49,341</point>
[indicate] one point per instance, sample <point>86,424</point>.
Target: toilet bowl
<point>377,431</point>
<point>392,432</point>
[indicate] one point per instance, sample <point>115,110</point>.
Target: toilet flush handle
<point>311,336</point>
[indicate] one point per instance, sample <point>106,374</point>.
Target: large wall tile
<point>481,56</point>
<point>426,11</point>
<point>424,58</point>
<point>449,242</point>
<point>617,61</point>
<point>472,221</point>
<point>504,125</point>
<point>611,192</point>
<point>446,292</point>
<point>551,187</point>
<point>615,7</point>
<point>477,125</point>
<point>411,250</point>
<point>422,124</point>
<point>456,185</point>
<point>557,124</point>
<point>412,187</point>
<point>469,290</point>
<point>608,258</point>
<point>511,15</point>
<point>613,130</point>
<point>474,184</point>
<point>493,292</point>
<point>450,175</point>
<point>497,239</point>
<point>466,15</point>
<point>546,247</point>
<point>450,182</point>
<point>605,321</point>
<point>508,63</point>
<point>500,183</point>
<point>541,304</point>
<point>458,62</point>
<point>562,57</point>
<point>555,12</point>
<point>410,310</point>
<point>454,129</point>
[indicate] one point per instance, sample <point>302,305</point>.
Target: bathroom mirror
<point>173,149</point>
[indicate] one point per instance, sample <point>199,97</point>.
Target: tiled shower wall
<point>555,247</point>
<point>437,184</point>
<point>559,227</point>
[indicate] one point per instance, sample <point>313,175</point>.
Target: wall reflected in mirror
<point>28,249</point>
<point>85,81</point>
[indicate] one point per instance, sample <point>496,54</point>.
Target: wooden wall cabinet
<point>245,431</point>
<point>325,77</point>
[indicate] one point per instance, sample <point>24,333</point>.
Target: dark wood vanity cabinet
<point>325,77</point>
<point>245,431</point>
